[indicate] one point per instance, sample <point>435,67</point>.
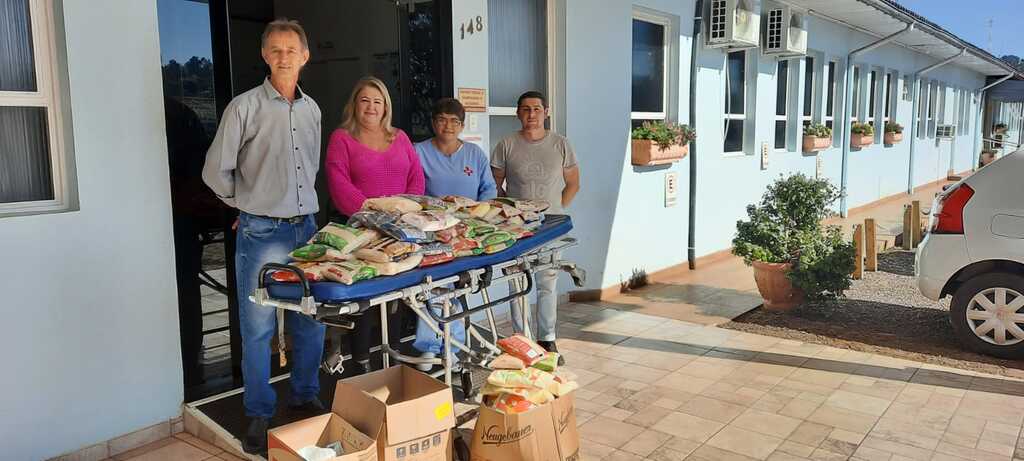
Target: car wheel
<point>987,314</point>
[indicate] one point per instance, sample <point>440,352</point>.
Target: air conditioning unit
<point>785,31</point>
<point>732,23</point>
<point>945,131</point>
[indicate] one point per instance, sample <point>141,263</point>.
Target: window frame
<point>742,117</point>
<point>891,81</point>
<point>49,95</point>
<point>784,117</point>
<point>855,103</point>
<point>809,80</point>
<point>830,91</point>
<point>670,79</point>
<point>553,79</point>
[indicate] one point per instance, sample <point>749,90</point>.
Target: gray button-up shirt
<point>266,154</point>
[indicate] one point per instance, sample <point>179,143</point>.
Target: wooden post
<point>907,237</point>
<point>915,221</point>
<point>858,252</point>
<point>870,246</point>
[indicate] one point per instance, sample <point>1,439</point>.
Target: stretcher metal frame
<point>517,271</point>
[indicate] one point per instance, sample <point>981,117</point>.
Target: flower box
<point>861,140</point>
<point>645,152</point>
<point>815,144</point>
<point>893,138</point>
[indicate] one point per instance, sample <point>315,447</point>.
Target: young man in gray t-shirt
<point>534,163</point>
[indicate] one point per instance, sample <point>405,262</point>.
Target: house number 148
<point>474,25</point>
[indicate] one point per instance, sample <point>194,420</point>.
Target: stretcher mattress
<point>554,226</point>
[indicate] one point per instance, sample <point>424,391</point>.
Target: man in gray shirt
<point>534,163</point>
<point>263,161</point>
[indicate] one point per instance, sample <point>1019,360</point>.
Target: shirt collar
<point>272,92</point>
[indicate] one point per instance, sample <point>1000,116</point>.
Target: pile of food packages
<point>391,235</point>
<point>525,376</point>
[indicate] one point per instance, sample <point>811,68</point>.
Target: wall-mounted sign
<point>473,99</point>
<point>671,189</point>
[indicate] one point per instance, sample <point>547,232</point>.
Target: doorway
<point>210,52</point>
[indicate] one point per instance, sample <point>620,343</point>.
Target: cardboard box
<point>546,433</point>
<point>409,413</point>
<point>284,442</point>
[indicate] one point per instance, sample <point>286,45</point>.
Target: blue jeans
<point>428,341</point>
<point>260,241</point>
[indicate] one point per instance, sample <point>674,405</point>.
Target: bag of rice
<point>371,219</point>
<point>480,210</point>
<point>399,205</point>
<point>523,348</point>
<point>459,201</point>
<point>314,273</point>
<point>430,221</point>
<point>549,363</point>
<point>344,238</point>
<point>507,362</point>
<point>406,233</point>
<point>317,252</point>
<point>476,228</point>
<point>349,272</point>
<point>529,377</point>
<point>386,250</point>
<point>397,267</point>
<point>428,202</point>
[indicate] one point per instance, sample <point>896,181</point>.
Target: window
<point>872,88</point>
<point>922,109</point>
<point>33,161</point>
<point>890,96</point>
<point>808,109</point>
<point>650,66</point>
<point>830,96</point>
<point>941,102</point>
<point>781,103</point>
<point>959,117</point>
<point>735,101</point>
<point>518,51</point>
<point>856,95</point>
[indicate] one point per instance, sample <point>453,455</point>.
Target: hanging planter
<point>658,143</point>
<point>893,133</point>
<point>817,137</point>
<point>861,135</point>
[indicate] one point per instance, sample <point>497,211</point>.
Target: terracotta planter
<point>778,292</point>
<point>815,144</point>
<point>646,152</point>
<point>893,138</point>
<point>861,140</point>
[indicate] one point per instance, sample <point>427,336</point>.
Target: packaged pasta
<point>549,363</point>
<point>344,238</point>
<point>386,250</point>
<point>397,267</point>
<point>523,348</point>
<point>349,272</point>
<point>313,271</point>
<point>317,252</point>
<point>476,228</point>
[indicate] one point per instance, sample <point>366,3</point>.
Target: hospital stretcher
<point>336,304</point>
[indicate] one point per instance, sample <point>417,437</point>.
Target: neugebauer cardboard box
<point>284,442</point>
<point>546,433</point>
<point>409,413</point>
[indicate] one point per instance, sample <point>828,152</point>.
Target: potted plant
<point>817,137</point>
<point>794,257</point>
<point>999,128</point>
<point>893,133</point>
<point>861,134</point>
<point>657,142</point>
<point>987,156</point>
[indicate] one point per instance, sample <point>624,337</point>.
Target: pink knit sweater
<point>355,172</point>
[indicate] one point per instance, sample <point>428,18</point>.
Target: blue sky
<point>184,30</point>
<point>968,19</point>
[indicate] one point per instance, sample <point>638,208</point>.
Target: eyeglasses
<point>448,121</point>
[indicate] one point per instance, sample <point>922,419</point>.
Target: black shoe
<point>255,442</point>
<point>310,406</point>
<point>550,347</point>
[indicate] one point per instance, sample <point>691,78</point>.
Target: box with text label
<point>546,433</point>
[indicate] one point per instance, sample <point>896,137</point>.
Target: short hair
<point>450,106</point>
<point>284,25</point>
<point>532,94</point>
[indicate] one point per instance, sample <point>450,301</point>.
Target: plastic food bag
<point>371,219</point>
<point>533,394</point>
<point>511,404</point>
<point>495,238</point>
<point>398,205</point>
<point>524,204</point>
<point>507,362</point>
<point>466,247</point>
<point>314,273</point>
<point>527,377</point>
<point>386,250</point>
<point>349,272</point>
<point>459,201</point>
<point>476,228</point>
<point>428,202</point>
<point>406,233</point>
<point>480,210</point>
<point>315,453</point>
<point>397,267</point>
<point>437,258</point>
<point>522,347</point>
<point>317,252</point>
<point>343,238</point>
<point>549,363</point>
<point>430,221</point>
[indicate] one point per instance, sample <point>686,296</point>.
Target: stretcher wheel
<point>461,449</point>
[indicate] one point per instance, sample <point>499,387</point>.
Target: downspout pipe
<point>981,117</point>
<point>914,114</point>
<point>691,235</point>
<point>848,108</point>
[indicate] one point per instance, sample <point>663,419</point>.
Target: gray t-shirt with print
<point>533,170</point>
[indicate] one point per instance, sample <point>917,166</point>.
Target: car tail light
<point>948,215</point>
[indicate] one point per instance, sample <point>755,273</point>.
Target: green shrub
<point>663,134</point>
<point>862,129</point>
<point>893,127</point>
<point>785,227</point>
<point>817,130</point>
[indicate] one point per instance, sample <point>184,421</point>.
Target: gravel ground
<point>884,313</point>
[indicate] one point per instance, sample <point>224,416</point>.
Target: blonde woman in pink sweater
<point>367,158</point>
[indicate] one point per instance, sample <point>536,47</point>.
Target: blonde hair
<point>348,117</point>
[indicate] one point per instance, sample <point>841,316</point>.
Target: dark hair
<point>533,95</point>
<point>449,106</point>
<point>284,25</point>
